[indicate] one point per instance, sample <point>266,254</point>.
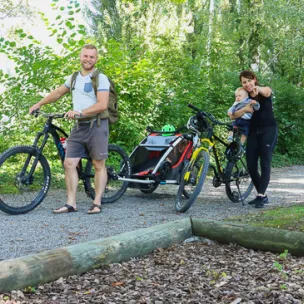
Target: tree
<point>164,54</point>
<point>11,8</point>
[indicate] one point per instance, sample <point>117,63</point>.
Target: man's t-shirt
<point>84,94</point>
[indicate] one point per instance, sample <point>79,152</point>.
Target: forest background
<point>162,55</point>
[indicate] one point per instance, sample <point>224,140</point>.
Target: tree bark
<point>50,265</point>
<point>258,238</point>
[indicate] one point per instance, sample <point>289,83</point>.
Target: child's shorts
<point>243,124</point>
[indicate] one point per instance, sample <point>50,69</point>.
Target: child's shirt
<point>241,104</point>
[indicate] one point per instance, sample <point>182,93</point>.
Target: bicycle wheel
<point>238,180</point>
<point>192,181</point>
<point>117,165</point>
<point>150,188</point>
<point>24,179</point>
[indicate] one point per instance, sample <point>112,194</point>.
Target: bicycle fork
<point>28,179</point>
<point>238,188</point>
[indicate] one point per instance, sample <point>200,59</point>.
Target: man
<point>85,138</point>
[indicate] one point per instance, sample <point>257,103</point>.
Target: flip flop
<point>68,209</point>
<point>92,211</point>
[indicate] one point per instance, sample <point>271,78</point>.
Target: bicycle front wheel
<point>238,181</point>
<point>24,179</point>
<point>192,181</point>
<point>117,165</point>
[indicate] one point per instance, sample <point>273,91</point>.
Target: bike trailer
<point>158,158</point>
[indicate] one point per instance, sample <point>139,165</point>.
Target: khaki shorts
<point>85,141</point>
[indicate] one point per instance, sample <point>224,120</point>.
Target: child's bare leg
<point>243,139</point>
<point>230,136</point>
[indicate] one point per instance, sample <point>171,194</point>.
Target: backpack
<point>112,112</point>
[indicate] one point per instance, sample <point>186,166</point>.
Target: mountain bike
<point>25,174</point>
<point>232,171</point>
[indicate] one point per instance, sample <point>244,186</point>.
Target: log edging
<point>50,265</point>
<point>253,237</point>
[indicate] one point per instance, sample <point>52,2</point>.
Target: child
<point>241,100</point>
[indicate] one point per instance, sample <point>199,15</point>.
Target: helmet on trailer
<point>168,128</point>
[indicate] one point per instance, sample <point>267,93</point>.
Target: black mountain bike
<point>230,170</point>
<point>25,174</point>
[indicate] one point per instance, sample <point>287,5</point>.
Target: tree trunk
<point>50,265</point>
<point>258,238</point>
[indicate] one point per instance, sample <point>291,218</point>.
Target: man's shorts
<point>85,141</point>
<point>243,124</point>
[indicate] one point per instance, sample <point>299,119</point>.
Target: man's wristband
<point>80,113</point>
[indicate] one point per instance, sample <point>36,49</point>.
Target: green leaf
<point>13,44</point>
<point>69,24</point>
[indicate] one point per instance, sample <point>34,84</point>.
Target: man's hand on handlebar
<point>34,108</point>
<point>72,114</point>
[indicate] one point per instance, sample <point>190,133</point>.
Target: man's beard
<point>87,66</point>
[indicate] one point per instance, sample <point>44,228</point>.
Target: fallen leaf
<point>118,283</point>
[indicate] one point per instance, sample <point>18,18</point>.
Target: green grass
<point>289,218</point>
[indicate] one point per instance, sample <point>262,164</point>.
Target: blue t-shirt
<point>84,95</point>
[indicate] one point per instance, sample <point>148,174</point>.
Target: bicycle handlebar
<point>208,115</point>
<point>56,115</point>
<point>47,115</point>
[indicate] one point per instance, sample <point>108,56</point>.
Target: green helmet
<point>168,128</point>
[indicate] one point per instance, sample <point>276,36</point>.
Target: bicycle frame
<point>50,128</point>
<point>218,168</point>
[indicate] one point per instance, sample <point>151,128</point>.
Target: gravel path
<point>41,230</point>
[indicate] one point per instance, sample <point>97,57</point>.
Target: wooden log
<point>258,238</point>
<point>50,265</point>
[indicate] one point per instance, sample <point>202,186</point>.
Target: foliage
<point>163,55</point>
<point>11,8</point>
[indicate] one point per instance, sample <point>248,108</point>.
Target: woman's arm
<point>264,91</point>
<point>237,114</point>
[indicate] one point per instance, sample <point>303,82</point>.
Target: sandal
<point>92,209</point>
<point>68,209</point>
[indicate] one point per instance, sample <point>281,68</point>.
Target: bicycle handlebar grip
<point>35,112</point>
<point>191,106</point>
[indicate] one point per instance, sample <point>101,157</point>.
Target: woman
<point>263,134</point>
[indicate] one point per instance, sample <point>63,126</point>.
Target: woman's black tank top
<point>264,116</point>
